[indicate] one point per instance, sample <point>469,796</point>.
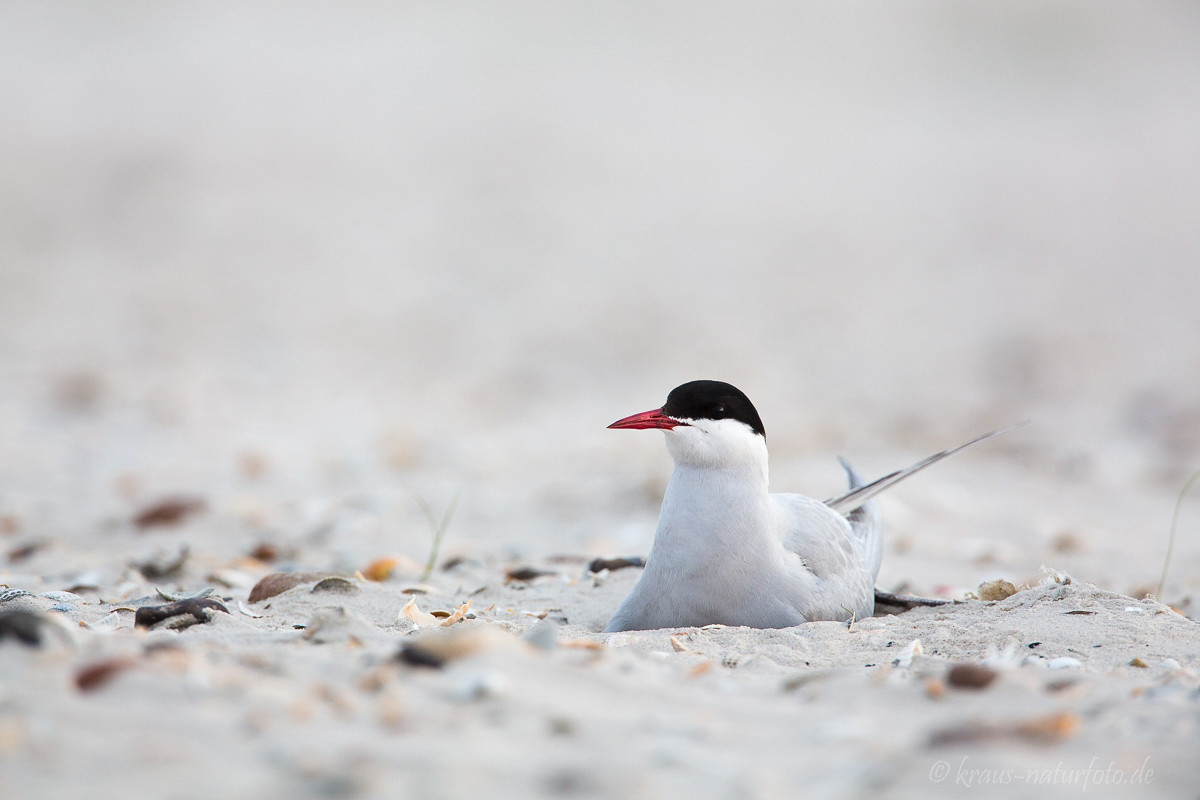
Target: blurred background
<point>309,261</point>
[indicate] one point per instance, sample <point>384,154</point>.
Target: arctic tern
<point>728,551</point>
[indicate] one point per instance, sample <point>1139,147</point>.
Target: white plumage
<point>728,551</point>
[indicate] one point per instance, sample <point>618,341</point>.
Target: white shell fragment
<point>904,660</point>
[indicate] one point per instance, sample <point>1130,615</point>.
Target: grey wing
<point>822,537</point>
<point>827,545</point>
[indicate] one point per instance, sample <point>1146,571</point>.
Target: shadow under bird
<point>727,550</point>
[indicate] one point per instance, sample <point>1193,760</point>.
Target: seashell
<point>253,615</point>
<point>106,624</point>
<point>905,659</point>
<point>13,594</point>
<point>279,582</point>
<point>459,614</point>
<point>335,585</point>
<point>380,569</point>
<point>65,597</point>
<point>176,596</point>
<point>412,612</point>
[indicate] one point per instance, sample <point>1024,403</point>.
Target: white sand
<point>309,266</point>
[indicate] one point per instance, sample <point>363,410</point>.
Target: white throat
<point>723,444</point>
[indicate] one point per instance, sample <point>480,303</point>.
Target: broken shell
<point>253,615</point>
<point>413,612</point>
<point>905,659</point>
<point>458,615</point>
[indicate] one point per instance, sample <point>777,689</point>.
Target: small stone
<point>970,676</point>
<point>199,609</point>
<point>990,591</point>
<point>98,673</point>
<point>169,511</point>
<point>1137,662</point>
<point>22,626</point>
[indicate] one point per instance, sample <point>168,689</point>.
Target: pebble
<point>970,676</point>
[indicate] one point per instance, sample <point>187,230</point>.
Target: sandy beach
<point>284,287</point>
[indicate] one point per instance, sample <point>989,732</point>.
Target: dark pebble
<point>614,564</point>
<point>198,607</point>
<point>970,676</point>
<point>24,626</point>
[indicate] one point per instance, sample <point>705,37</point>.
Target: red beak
<point>648,419</point>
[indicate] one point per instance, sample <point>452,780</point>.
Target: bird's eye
<point>718,412</point>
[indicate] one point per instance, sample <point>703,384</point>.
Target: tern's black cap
<point>712,400</point>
